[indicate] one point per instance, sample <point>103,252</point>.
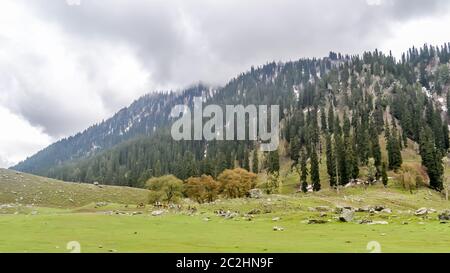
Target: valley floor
<point>119,228</point>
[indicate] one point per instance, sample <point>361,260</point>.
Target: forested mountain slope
<point>337,107</point>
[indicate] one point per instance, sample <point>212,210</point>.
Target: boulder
<point>378,223</point>
<point>386,210</point>
<point>255,193</point>
<point>444,216</point>
<point>317,221</point>
<point>363,209</point>
<point>157,212</point>
<point>278,228</point>
<point>421,212</point>
<point>379,208</point>
<point>346,215</point>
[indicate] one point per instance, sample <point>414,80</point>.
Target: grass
<point>182,233</point>
<point>99,230</point>
<point>43,215</point>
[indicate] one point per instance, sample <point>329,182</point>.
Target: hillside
<point>25,189</point>
<point>340,108</point>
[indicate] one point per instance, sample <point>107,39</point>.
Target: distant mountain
<point>142,118</point>
<point>350,100</point>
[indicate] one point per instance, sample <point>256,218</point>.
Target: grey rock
<point>255,193</point>
<point>346,215</point>
<point>444,216</point>
<point>421,211</point>
<point>157,212</point>
<point>379,223</point>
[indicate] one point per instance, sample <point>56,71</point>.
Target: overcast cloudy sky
<point>66,64</point>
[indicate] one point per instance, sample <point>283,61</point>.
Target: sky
<point>68,64</point>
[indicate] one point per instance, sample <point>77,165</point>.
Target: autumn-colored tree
<point>201,189</point>
<point>236,183</point>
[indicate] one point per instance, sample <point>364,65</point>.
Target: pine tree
<point>384,175</point>
<point>323,120</point>
<point>255,161</point>
<point>331,161</point>
<point>315,178</point>
<point>273,162</point>
<point>342,161</point>
<point>394,151</point>
<point>304,171</point>
<point>351,157</point>
<point>431,159</point>
<point>331,119</point>
<point>246,161</point>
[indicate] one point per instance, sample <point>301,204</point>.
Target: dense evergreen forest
<point>339,108</point>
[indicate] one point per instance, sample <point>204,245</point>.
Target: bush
<point>236,183</point>
<point>201,189</point>
<point>165,188</point>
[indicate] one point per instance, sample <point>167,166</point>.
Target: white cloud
<point>429,30</point>
<point>65,65</point>
<point>18,139</point>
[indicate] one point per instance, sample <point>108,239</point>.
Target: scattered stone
<point>206,219</point>
<point>444,215</point>
<point>100,204</point>
<point>96,183</point>
<point>346,215</point>
<point>112,250</point>
<point>363,209</point>
<point>227,214</point>
<point>386,210</point>
<point>405,223</point>
<point>136,212</point>
<point>157,212</point>
<point>379,223</point>
<point>231,215</point>
<point>365,221</point>
<point>421,212</point>
<point>254,211</point>
<point>379,208</point>
<point>34,212</point>
<point>255,193</point>
<point>276,219</point>
<point>278,228</point>
<point>317,221</point>
<point>323,214</point>
<point>322,208</point>
<point>71,200</point>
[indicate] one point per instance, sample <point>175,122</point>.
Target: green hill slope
<point>26,189</point>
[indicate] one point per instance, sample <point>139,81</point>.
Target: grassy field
<point>36,215</point>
